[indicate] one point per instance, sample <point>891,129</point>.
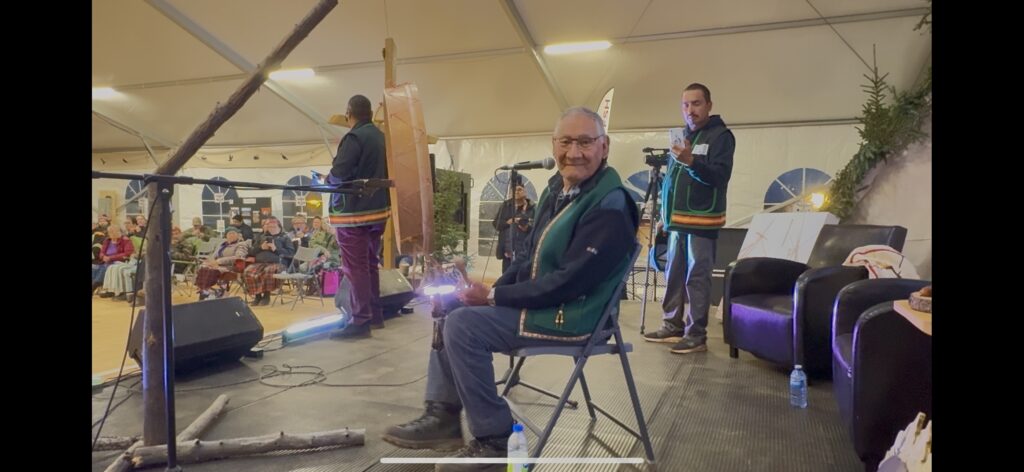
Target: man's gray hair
<point>586,112</point>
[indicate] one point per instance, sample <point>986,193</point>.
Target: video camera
<point>655,157</point>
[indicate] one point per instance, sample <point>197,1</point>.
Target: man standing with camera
<point>693,193</point>
<point>513,223</point>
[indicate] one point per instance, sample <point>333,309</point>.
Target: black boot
<point>439,428</point>
<point>490,447</point>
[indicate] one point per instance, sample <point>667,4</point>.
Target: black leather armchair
<point>781,310</point>
<point>881,364</point>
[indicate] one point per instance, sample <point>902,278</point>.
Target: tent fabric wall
<point>761,155</point>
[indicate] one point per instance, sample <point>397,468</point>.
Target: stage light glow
<point>438,290</point>
<point>817,200</point>
<point>307,328</point>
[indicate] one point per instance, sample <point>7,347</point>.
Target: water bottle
<point>798,387</point>
<point>517,448</point>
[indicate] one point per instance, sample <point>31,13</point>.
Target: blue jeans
<point>463,372</point>
<point>98,272</point>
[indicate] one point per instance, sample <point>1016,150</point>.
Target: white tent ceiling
<point>766,62</point>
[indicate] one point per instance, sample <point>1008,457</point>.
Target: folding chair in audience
<point>299,278</point>
<point>597,344</point>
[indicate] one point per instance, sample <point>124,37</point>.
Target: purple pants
<point>359,263</point>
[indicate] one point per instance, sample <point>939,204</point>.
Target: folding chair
<point>238,269</point>
<point>183,281</point>
<point>205,249</point>
<point>298,278</point>
<point>607,327</point>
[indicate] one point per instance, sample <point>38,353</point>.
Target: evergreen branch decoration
<point>447,233</point>
<point>926,20</point>
<point>887,127</point>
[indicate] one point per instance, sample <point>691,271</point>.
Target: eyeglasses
<point>584,142</point>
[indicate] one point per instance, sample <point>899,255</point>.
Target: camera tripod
<point>650,202</point>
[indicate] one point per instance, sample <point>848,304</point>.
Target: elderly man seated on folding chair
<point>554,294</point>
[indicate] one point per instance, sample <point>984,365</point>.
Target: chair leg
<point>542,441</point>
<point>511,379</point>
<point>318,290</point>
<point>508,372</point>
<point>299,295</point>
<point>280,295</point>
<point>734,352</point>
<point>586,393</point>
<point>572,403</point>
<point>631,386</point>
<point>513,376</point>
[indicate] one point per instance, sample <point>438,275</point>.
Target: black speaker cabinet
<point>205,333</point>
<point>395,291</point>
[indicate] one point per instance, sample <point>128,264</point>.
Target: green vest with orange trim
<point>355,210</point>
<point>691,205</point>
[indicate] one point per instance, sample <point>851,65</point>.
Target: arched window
<point>217,203</point>
<point>295,202</point>
<point>793,183</point>
<point>491,198</point>
<point>134,207</point>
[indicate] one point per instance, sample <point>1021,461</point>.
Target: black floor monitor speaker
<point>205,333</point>
<point>395,291</point>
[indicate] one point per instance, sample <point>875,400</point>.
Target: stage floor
<point>705,411</point>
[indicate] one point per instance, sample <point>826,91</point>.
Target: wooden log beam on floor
<point>123,462</point>
<point>115,443</point>
<point>199,451</point>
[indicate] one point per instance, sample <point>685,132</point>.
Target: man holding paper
<point>694,191</point>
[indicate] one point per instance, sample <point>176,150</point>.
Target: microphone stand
<point>513,176</point>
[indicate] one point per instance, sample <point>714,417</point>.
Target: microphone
<point>650,149</point>
<point>547,163</point>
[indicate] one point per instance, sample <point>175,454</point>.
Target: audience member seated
<point>199,230</point>
<point>243,228</point>
<point>221,262</point>
<point>140,224</point>
<point>183,251</point>
<point>120,277</point>
<point>324,236</point>
<point>99,234</point>
<point>101,224</point>
<point>299,234</point>
<point>115,249</point>
<point>130,228</point>
<point>272,253</point>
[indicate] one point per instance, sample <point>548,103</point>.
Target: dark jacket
<point>601,239</point>
<point>361,155</point>
<point>500,223</point>
<point>246,231</point>
<point>282,255</point>
<point>694,195</point>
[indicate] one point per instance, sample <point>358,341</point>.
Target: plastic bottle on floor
<point>517,448</point>
<point>798,387</point>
